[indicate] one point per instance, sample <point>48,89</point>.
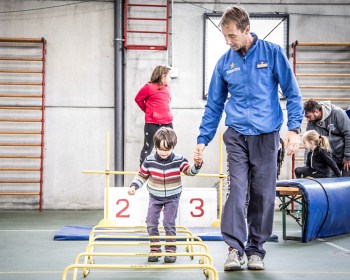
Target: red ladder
<point>146,25</point>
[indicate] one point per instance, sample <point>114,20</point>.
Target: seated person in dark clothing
<point>319,161</point>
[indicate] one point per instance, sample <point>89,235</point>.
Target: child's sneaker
<point>154,258</point>
<point>170,259</point>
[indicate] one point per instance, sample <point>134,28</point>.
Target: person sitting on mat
<point>318,161</point>
<point>162,172</point>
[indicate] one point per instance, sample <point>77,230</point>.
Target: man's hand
<point>132,190</point>
<point>292,142</point>
<point>346,165</point>
<point>198,154</point>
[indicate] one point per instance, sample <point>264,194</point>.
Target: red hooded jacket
<point>155,102</point>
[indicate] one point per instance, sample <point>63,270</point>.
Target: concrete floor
<point>28,251</point>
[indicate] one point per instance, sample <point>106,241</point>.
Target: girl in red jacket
<point>154,99</point>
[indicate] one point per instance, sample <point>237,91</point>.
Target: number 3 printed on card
<point>198,203</point>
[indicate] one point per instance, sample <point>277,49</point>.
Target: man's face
<point>234,37</point>
<point>313,116</point>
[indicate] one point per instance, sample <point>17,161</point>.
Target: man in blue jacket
<point>245,84</point>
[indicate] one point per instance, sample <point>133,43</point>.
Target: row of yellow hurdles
<point>121,236</point>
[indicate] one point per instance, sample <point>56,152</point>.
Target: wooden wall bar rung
<point>19,169</point>
<point>20,156</point>
<point>322,44</point>
<point>329,98</point>
<point>19,193</point>
<point>20,108</point>
<point>18,95</point>
<point>324,74</point>
<point>20,120</point>
<point>21,83</point>
<point>22,58</point>
<point>22,40</point>
<point>20,144</point>
<point>323,62</point>
<point>19,132</point>
<point>327,87</point>
<point>21,71</point>
<point>20,181</point>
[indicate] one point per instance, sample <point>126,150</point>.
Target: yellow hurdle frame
<point>107,229</point>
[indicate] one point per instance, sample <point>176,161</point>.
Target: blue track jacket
<point>247,87</point>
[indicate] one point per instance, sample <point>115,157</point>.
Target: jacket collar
<point>166,160</point>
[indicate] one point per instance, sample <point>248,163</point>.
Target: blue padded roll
<point>327,206</point>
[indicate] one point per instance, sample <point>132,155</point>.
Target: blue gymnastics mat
<point>327,206</point>
<point>83,233</point>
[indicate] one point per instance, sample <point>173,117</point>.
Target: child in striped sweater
<point>162,174</point>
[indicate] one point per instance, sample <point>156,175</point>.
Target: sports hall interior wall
<point>80,85</point>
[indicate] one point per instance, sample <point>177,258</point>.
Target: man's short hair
<point>311,106</point>
<point>237,14</point>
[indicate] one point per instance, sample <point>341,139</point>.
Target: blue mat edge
<point>82,233</point>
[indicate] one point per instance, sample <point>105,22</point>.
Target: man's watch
<point>296,130</point>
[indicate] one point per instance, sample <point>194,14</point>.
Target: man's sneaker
<point>234,261</point>
<point>154,258</point>
<point>255,262</point>
<point>170,259</point>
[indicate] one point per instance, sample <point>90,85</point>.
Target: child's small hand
<point>132,190</point>
<point>198,165</point>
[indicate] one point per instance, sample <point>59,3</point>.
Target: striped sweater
<point>163,176</point>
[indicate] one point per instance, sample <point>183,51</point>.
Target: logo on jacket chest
<point>233,68</point>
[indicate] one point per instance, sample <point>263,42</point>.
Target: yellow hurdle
<point>86,255</point>
<point>213,274</point>
<point>107,229</point>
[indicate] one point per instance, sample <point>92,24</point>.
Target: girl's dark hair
<point>237,14</point>
<point>158,73</point>
<point>165,137</point>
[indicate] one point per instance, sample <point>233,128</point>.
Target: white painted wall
<point>80,85</point>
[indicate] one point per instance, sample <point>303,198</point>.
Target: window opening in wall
<point>271,27</point>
